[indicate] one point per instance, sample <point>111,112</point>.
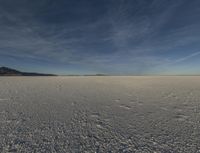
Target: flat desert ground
<point>107,114</point>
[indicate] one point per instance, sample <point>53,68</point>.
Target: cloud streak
<point>186,58</point>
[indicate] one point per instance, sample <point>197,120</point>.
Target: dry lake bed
<point>105,114</point>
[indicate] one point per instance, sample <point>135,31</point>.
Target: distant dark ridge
<point>5,71</point>
<point>95,75</point>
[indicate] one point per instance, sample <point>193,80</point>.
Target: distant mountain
<point>5,71</point>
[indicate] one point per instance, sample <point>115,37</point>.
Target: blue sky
<point>122,37</point>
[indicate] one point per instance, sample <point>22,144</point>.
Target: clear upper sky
<point>101,36</point>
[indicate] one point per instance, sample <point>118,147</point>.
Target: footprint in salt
<point>181,117</point>
<point>125,106</point>
<point>3,99</point>
<point>95,115</point>
<point>99,126</point>
<point>140,103</point>
<point>117,100</point>
<point>164,108</point>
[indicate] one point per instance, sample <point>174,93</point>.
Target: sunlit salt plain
<point>100,114</point>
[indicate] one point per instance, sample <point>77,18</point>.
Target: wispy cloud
<point>185,58</point>
<point>108,36</point>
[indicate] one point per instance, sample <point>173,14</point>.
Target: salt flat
<point>100,114</point>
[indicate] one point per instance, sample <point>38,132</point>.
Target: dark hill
<point>5,71</point>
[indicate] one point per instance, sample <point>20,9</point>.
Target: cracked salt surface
<point>100,114</point>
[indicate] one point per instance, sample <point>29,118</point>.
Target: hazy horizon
<point>112,37</point>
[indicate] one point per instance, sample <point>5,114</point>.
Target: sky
<point>115,37</point>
